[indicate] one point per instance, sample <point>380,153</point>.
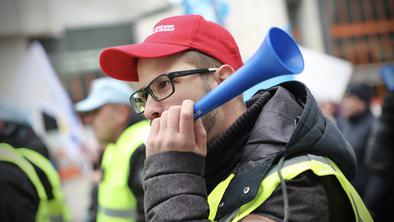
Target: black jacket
<point>281,121</point>
<point>18,196</point>
<point>357,131</point>
<point>379,195</point>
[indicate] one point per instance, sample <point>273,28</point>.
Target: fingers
<point>176,130</point>
<point>153,134</point>
<point>173,119</point>
<point>186,121</point>
<point>163,121</point>
<point>192,130</point>
<point>154,128</point>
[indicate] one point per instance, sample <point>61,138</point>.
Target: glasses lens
<point>138,101</point>
<point>161,87</point>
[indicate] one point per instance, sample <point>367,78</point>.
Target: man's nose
<point>153,109</point>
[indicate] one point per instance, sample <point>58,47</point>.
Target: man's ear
<point>223,72</point>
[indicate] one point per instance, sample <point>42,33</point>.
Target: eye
<point>161,87</point>
<point>164,84</point>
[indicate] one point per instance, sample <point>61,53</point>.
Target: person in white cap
<point>115,125</point>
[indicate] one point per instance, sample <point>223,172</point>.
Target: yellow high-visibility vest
<point>320,166</point>
<point>116,201</point>
<point>57,209</point>
<point>10,155</point>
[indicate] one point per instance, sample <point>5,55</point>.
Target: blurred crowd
<point>370,136</point>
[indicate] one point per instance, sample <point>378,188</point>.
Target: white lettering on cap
<point>163,28</point>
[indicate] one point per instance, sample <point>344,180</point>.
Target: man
<point>379,195</point>
<point>236,148</point>
<point>120,193</point>
<point>30,185</point>
<point>356,125</point>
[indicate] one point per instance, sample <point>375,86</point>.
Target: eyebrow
<point>183,73</point>
<point>144,87</point>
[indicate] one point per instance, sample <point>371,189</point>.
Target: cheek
<point>192,94</point>
<point>97,124</point>
<point>191,91</point>
<point>175,99</point>
<point>101,120</point>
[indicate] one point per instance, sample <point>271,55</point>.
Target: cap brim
<point>120,62</point>
<point>88,105</point>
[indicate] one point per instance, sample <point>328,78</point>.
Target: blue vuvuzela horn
<point>278,55</point>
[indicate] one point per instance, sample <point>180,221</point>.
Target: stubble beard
<point>209,120</point>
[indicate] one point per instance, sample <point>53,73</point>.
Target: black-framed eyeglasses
<point>161,88</point>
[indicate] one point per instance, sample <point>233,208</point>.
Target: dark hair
<point>200,60</point>
<point>360,90</point>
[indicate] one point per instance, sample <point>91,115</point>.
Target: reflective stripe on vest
<point>115,197</point>
<point>127,213</point>
<point>291,168</point>
<point>57,210</point>
<point>56,218</point>
<point>9,154</point>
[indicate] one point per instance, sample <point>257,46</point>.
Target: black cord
<point>284,190</point>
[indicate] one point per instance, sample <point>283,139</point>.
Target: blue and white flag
<point>212,10</point>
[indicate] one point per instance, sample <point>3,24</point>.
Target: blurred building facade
<point>360,31</point>
<point>74,32</point>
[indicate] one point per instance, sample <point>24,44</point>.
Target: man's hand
<point>176,130</point>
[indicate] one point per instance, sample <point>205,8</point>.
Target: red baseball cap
<point>170,36</point>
